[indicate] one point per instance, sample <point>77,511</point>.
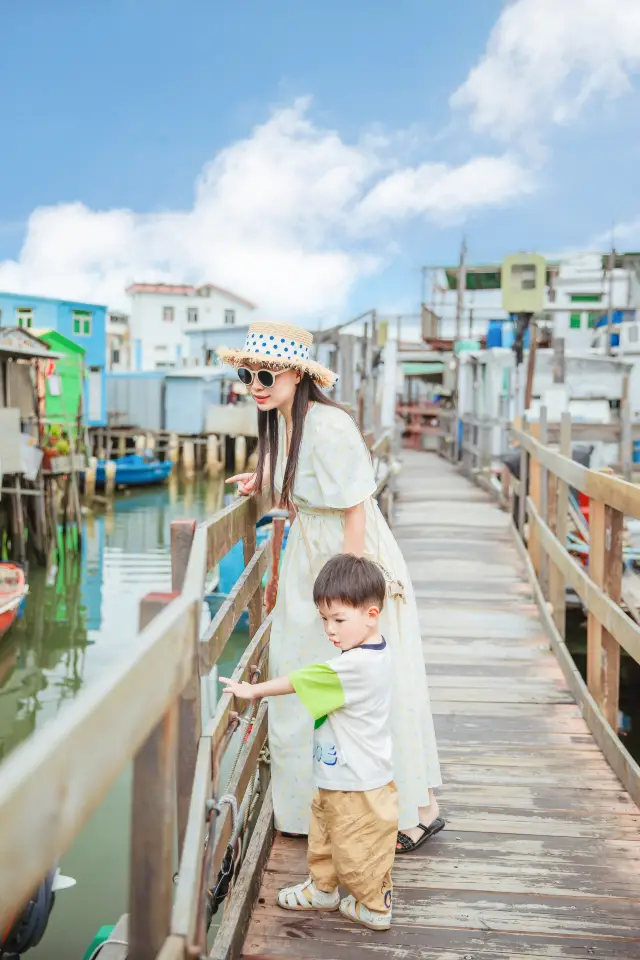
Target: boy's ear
<point>373,611</point>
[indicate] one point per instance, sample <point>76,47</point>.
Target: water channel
<point>74,627</point>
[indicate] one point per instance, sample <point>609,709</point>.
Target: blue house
<point>84,323</point>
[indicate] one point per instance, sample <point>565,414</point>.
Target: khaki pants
<point>352,843</point>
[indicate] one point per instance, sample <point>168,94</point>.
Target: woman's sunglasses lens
<point>266,378</point>
<point>246,376</point>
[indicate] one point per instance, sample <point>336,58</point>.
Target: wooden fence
<point>148,709</point>
<point>546,477</point>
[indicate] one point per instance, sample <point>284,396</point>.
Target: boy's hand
<point>244,690</point>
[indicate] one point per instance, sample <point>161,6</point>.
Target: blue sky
<point>320,206</point>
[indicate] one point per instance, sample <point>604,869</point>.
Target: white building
<point>118,341</point>
<point>163,314</point>
<point>586,289</point>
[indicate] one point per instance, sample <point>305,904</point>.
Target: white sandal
<point>306,896</point>
<point>352,909</point>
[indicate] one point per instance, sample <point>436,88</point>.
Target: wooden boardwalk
<point>540,857</point>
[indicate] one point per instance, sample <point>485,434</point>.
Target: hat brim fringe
<point>322,375</point>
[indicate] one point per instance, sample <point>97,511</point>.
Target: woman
<point>313,456</point>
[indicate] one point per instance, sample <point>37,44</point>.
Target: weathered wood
<point>540,856</point>
<point>597,542</point>
<point>524,478</point>
<point>225,620</point>
<point>249,547</point>
<point>187,895</point>
<point>235,920</point>
<point>229,526</point>
<point>245,768</point>
<point>80,753</point>
<point>182,534</point>
<point>152,828</point>
<point>616,493</point>
<point>607,613</point>
<point>612,585</point>
<point>558,594</point>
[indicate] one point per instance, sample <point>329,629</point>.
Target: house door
<point>95,395</point>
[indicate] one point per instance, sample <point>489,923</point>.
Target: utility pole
<point>462,283</point>
<point>612,263</point>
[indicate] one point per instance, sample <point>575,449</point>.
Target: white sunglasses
<point>266,377</point>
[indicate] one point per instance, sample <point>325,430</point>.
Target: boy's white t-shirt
<point>349,697</point>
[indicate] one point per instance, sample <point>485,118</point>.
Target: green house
<point>63,389</point>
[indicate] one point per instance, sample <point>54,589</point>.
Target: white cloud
<point>446,192</point>
<point>291,218</point>
<point>545,59</point>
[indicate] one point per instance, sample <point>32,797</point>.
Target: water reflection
<point>76,624</point>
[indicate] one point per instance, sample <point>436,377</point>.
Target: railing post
<point>535,494</point>
<point>557,584</point>
<point>543,436</point>
<point>152,826</point>
<point>249,546</point>
<point>610,668</point>
<point>190,709</point>
<point>522,501</point>
<point>597,550</point>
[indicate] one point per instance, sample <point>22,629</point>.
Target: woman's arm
<point>254,691</point>
<point>354,530</point>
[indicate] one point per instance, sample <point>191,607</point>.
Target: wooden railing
<point>546,477</point>
<point>148,708</point>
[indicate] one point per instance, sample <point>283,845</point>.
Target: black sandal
<point>406,845</point>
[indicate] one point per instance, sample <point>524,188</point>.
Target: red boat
<point>13,589</point>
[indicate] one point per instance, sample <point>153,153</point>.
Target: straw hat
<point>280,346</point>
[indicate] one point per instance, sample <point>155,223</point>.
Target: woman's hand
<point>246,483</point>
<point>244,690</point>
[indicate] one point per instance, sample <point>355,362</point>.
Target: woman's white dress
<point>335,473</point>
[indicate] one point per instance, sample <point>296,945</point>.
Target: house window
<point>575,321</point>
<point>115,355</point>
<point>593,319</point>
<point>168,314</point>
<point>229,316</point>
<point>82,323</point>
<point>24,317</point>
<point>524,276</point>
<point>585,297</point>
<point>192,314</point>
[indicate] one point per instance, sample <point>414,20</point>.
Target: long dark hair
<point>307,392</point>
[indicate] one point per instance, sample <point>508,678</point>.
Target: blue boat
<point>135,471</point>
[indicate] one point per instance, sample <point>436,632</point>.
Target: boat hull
<point>135,472</point>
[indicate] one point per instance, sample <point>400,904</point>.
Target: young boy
<point>354,815</point>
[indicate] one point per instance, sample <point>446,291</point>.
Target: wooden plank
<point>249,546</point>
<point>612,586</point>
<point>187,894</point>
<point>597,543</point>
<point>80,753</point>
<point>182,533</point>
<point>230,525</point>
<point>221,627</point>
<point>152,824</point>
<point>246,765</point>
<point>616,493</point>
<point>615,753</point>
<point>607,613</point>
<point>235,919</point>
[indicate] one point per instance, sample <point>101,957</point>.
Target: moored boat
<point>13,590</point>
<point>135,470</point>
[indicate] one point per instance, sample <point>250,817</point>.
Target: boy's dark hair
<point>351,580</point>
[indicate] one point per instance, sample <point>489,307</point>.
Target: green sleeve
<point>319,689</point>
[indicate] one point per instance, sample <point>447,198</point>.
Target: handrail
<point>546,475</point>
<point>147,708</point>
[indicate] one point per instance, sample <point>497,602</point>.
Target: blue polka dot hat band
<point>279,345</point>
